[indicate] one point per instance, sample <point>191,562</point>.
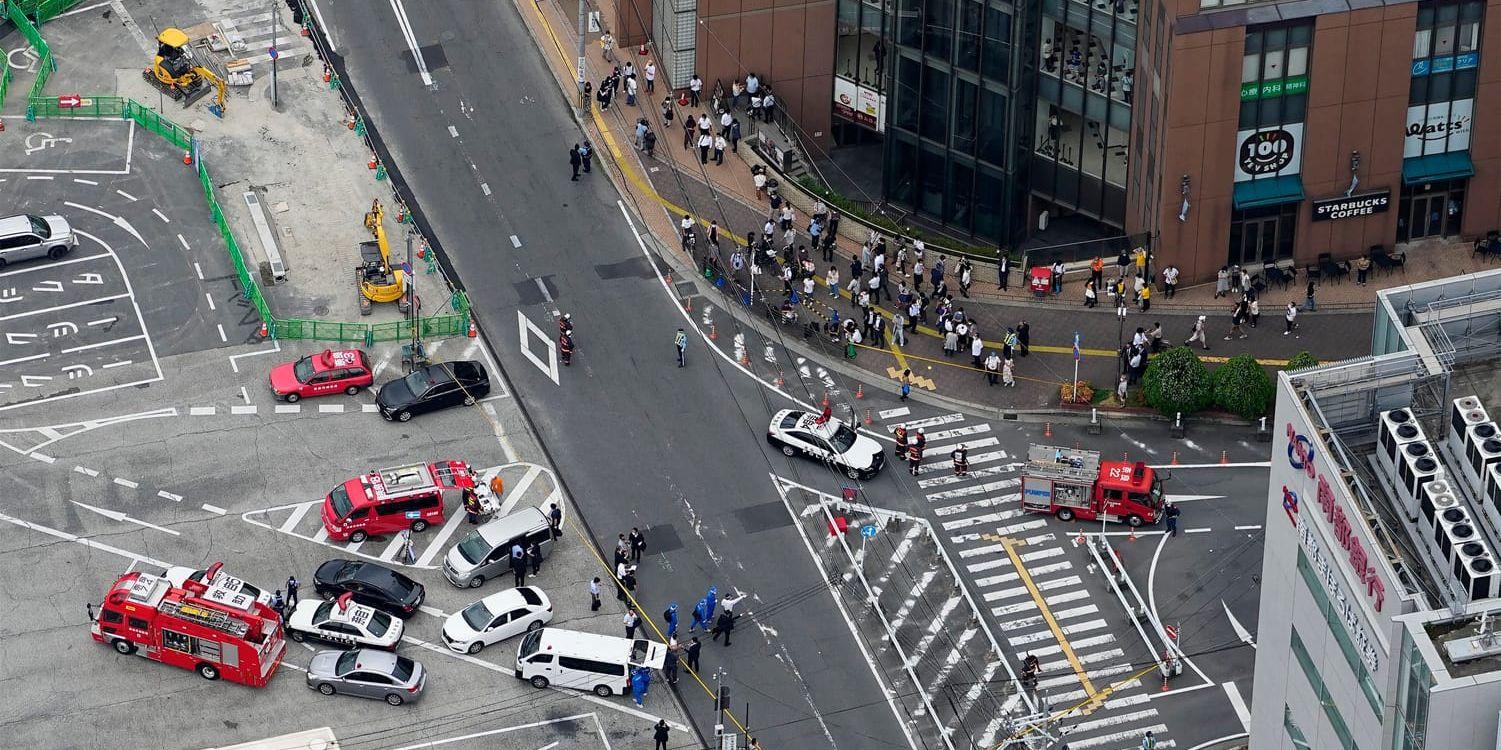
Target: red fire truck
<point>1070,483</point>
<point>206,625</point>
<point>389,500</point>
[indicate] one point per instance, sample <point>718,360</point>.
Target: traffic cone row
<point>187,157</point>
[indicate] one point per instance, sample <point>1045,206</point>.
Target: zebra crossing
<point>249,27</point>
<point>525,484</point>
<point>1091,660</point>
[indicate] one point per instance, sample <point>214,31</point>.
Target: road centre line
<point>198,270</point>
<point>210,299</point>
<point>185,247</point>
<point>39,177</point>
<point>406,31</point>
<point>44,458</point>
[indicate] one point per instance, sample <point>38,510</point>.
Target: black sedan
<point>372,584</point>
<point>433,387</point>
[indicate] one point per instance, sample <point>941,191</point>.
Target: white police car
<point>344,622</point>
<point>801,433</point>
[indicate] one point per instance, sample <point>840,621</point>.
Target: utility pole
<point>275,21</point>
<point>583,37</point>
<point>411,292</point>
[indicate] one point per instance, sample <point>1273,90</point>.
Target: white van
<point>25,236</point>
<point>585,661</point>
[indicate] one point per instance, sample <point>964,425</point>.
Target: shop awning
<point>1268,192</point>
<point>1435,167</point>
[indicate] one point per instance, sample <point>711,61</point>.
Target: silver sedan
<point>367,673</point>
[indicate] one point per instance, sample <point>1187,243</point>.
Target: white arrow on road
<point>1188,498</point>
<point>1240,630</point>
<point>115,515</point>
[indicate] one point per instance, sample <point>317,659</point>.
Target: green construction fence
<point>453,323</point>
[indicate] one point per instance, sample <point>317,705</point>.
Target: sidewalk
<point>674,183</point>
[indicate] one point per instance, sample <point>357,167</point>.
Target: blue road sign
<point>868,530</point>
<point>273,53</point>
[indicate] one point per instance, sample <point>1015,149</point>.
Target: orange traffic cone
<point>187,158</point>
<point>642,50</point>
<point>825,398</point>
<point>1224,457</point>
<point>1080,539</point>
<point>780,381</point>
<point>713,332</point>
<point>683,98</point>
<point>860,390</point>
<point>1131,535</point>
<point>349,120</point>
<point>868,420</point>
<point>744,359</point>
<point>328,73</point>
<point>1047,429</point>
<point>371,164</point>
<point>1175,458</point>
<point>667,277</point>
<point>473,332</point>
<point>262,333</point>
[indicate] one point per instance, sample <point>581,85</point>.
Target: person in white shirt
<point>724,122</point>
<point>1292,318</point>
<point>651,77</point>
<point>695,88</point>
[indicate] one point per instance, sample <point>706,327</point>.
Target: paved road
<point>641,442</point>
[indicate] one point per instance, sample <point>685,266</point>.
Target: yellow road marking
<point>1010,546</point>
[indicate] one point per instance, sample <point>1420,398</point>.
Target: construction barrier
<point>448,324</point>
<point>43,10</point>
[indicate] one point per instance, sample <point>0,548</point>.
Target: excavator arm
<point>213,78</point>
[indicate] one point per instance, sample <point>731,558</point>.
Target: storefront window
<point>935,103</point>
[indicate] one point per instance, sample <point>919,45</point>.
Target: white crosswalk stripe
<point>974,516</point>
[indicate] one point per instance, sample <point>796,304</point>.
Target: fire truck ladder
<point>209,617</point>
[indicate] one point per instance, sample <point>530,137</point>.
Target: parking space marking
<point>213,509</point>
<point>86,471</point>
<point>44,458</point>
<point>55,264</point>
<point>208,297</point>
<point>68,306</point>
<point>82,181</point>
<point>115,515</point>
<point>169,496</point>
<point>39,177</point>
<point>91,544</point>
<point>242,409</point>
<point>161,215</point>
<point>234,363</point>
<point>222,337</point>
<point>369,408</point>
<point>288,408</point>
<point>330,408</point>
<point>127,483</point>
<point>127,196</point>
<point>296,517</point>
<point>19,360</point>
<point>440,540</point>
<point>202,411</point>
<point>101,344</point>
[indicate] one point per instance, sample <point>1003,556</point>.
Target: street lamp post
<point>1120,333</point>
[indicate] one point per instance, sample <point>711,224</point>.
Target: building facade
<point>1373,621</point>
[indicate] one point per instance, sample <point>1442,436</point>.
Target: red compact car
<point>329,371</point>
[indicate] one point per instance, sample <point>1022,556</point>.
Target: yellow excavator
<point>378,280</point>
<point>178,75</point>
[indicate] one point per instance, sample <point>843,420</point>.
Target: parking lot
<point>148,280</point>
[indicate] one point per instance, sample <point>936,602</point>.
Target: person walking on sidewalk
<point>704,144</point>
<point>1170,281</point>
<point>966,276</point>
<point>641,128</point>
<point>976,350</point>
<point>630,91</point>
<point>661,732</point>
<point>1024,337</point>
<point>575,161</point>
<point>607,45</point>
<point>1291,316</point>
<point>680,342</point>
<point>631,620</point>
<point>594,595</point>
<point>1008,373</point>
<point>724,625</point>
<point>1091,297</point>
<point>734,136</point>
<point>651,77</point>
<point>586,152</point>
<point>1222,282</point>
<point>993,368</point>
<point>1146,298</point>
<point>906,381</point>
<point>1097,271</point>
<point>1197,334</point>
<point>1003,272</point>
<point>1309,304</point>
<point>1362,267</point>
<point>719,145</point>
<point>695,89</point>
<point>688,128</point>
<point>1255,309</point>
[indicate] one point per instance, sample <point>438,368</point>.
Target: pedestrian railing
<point>454,322</point>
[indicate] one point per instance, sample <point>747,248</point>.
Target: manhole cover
<point>320,310</point>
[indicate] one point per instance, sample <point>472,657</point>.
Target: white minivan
<point>585,661</point>
<point>25,236</point>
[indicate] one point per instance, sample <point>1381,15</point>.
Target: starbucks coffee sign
<point>1360,204</point>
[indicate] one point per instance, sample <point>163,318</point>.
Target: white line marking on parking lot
<point>485,187</point>
<point>55,264</point>
<point>18,360</point>
<point>1252,527</point>
<point>91,544</point>
<point>127,483</point>
<point>210,299</point>
<point>245,395</point>
<point>115,515</point>
<point>288,408</point>
<point>68,306</point>
<point>241,409</point>
<point>86,470</point>
<point>434,611</point>
<point>233,358</point>
<point>161,215</point>
<point>198,269</point>
<point>39,177</point>
<point>297,513</point>
<point>330,408</point>
<point>202,411</point>
<point>44,458</point>
<point>369,408</point>
<point>82,181</point>
<point>169,496</point>
<point>127,196</point>
<point>120,363</point>
<point>446,531</point>
<point>453,132</point>
<point>103,321</point>
<point>515,241</point>
<point>185,246</point>
<point>222,337</point>
<point>213,509</point>
<point>111,342</point>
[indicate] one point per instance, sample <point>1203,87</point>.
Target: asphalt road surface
<point>638,441</point>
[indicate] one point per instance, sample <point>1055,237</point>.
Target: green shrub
<point>1241,387</point>
<point>1300,361</point>
<point>1176,381</point>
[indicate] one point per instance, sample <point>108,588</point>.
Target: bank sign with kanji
<point>1321,547</point>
